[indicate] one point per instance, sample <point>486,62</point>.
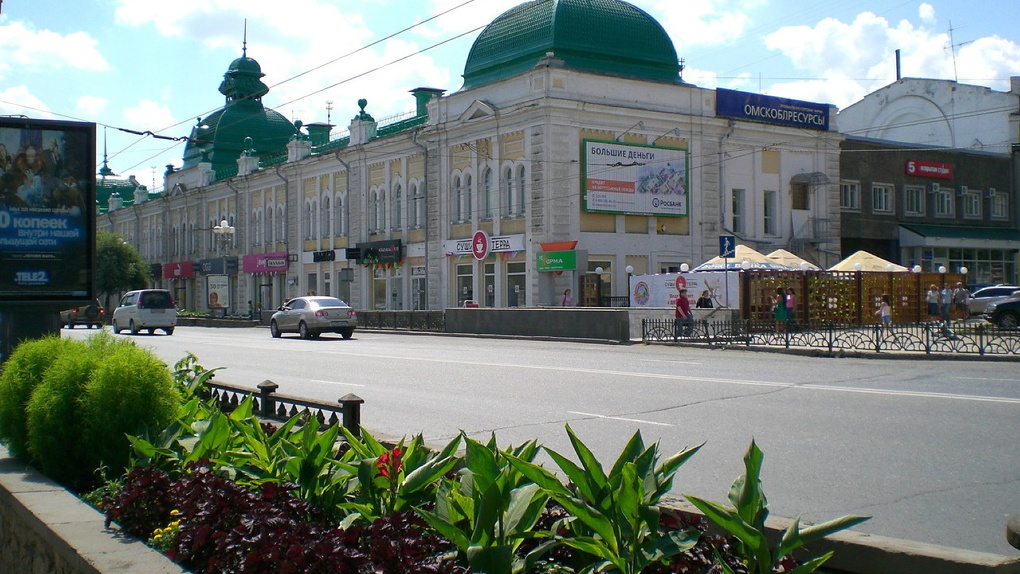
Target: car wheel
<point>132,328</point>
<point>169,330</point>
<point>303,331</point>
<point>151,331</point>
<point>1009,320</point>
<point>115,327</point>
<point>274,329</point>
<point>70,324</point>
<point>347,333</point>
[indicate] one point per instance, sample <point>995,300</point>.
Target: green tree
<point>119,267</point>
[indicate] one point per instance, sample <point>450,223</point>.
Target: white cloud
<point>90,106</point>
<point>18,100</point>
<point>23,47</point>
<point>927,13</point>
<point>149,115</point>
<point>704,22</point>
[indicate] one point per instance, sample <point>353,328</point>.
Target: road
<point>926,447</point>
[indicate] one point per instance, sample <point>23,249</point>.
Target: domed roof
<point>219,138</point>
<point>608,37</point>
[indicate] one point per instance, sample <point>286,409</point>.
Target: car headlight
<point>990,308</point>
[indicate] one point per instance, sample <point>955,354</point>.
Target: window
<point>380,211</point>
<point>324,216</point>
<point>799,196</point>
<point>457,200</point>
<point>270,212</point>
<point>913,201</point>
<point>738,211</point>
<point>881,198</point>
<point>339,216</point>
<point>944,203</point>
<point>417,206</point>
<point>972,205</point>
<point>520,190</point>
<point>397,220</point>
<point>1000,206</point>
<point>487,198</point>
<point>769,224</point>
<point>507,197</point>
<point>468,199</point>
<point>309,219</point>
<point>850,196</point>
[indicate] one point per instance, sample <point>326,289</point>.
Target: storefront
<point>387,289</point>
<point>488,271</point>
<point>267,290</point>
<point>179,279</point>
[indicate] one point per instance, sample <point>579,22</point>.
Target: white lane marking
<point>639,421</point>
<point>340,383</point>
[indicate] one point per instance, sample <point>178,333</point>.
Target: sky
<point>155,66</point>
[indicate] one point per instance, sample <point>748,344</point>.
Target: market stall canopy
<point>755,259</point>
<point>793,260</point>
<point>868,262</point>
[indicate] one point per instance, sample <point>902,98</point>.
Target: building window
<point>488,199</point>
<point>521,179</point>
<point>398,199</point>
<point>799,196</point>
<point>1000,206</point>
<point>972,205</point>
<point>850,196</point>
<point>881,198</point>
<point>457,209</point>
<point>380,211</point>
<point>913,201</point>
<point>325,217</point>
<point>417,206</point>
<point>516,283</point>
<point>737,225</point>
<point>769,223</point>
<point>507,197</point>
<point>944,203</point>
<point>465,284</point>
<point>339,215</point>
<point>468,199</point>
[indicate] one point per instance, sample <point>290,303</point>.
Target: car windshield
<point>328,302</point>
<point>157,300</point>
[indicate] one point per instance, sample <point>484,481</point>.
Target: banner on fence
<point>660,290</point>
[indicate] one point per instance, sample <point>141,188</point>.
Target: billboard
<point>771,110</point>
<point>634,179</point>
<point>47,211</point>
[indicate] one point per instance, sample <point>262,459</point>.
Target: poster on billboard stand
<point>634,179</point>
<point>660,290</point>
<point>47,215</point>
<point>219,292</point>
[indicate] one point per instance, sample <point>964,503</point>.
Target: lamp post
<point>684,268</point>
<point>224,233</point>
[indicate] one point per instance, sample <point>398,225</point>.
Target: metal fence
<point>403,320</point>
<point>927,338</point>
<point>270,405</point>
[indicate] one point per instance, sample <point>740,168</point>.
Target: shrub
<point>22,373</point>
<point>129,392</point>
<point>55,422</point>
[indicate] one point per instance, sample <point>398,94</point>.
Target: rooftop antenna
<point>953,46</point>
<point>329,108</point>
<point>244,42</point>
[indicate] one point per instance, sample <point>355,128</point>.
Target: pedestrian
<point>884,312</point>
<point>961,299</point>
<point>705,301</point>
<point>947,303</point>
<point>779,309</point>
<point>791,309</point>
<point>932,299</point>
<point>568,299</point>
<point>683,318</point>
<point>251,310</point>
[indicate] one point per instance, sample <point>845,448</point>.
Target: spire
<point>105,170</point>
<point>244,42</point>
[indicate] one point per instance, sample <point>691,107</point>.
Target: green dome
<point>220,137</point>
<point>608,37</point>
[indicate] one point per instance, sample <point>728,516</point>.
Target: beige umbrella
<point>868,262</point>
<point>742,253</point>
<point>792,260</point>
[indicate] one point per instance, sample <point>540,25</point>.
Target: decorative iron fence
<point>403,320</point>
<point>927,338</point>
<point>268,404</point>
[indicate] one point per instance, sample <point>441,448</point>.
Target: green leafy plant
<point>746,522</point>
<point>22,373</point>
<point>618,513</point>
<point>490,508</point>
<point>395,479</point>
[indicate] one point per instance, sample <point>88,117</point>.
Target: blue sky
<point>149,65</point>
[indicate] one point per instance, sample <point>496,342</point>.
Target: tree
<point>119,267</point>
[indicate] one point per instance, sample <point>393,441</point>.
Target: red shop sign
<point>929,169</point>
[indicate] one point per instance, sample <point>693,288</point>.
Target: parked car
<point>981,298</point>
<point>311,316</point>
<point>1005,314</point>
<point>91,315</point>
<point>145,309</point>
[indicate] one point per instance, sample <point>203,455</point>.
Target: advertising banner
<point>560,261</point>
<point>47,220</point>
<point>498,244</point>
<point>771,110</point>
<point>661,290</point>
<point>219,291</point>
<point>265,263</point>
<point>634,179</point>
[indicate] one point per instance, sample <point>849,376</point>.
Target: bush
<point>130,392</point>
<point>22,373</point>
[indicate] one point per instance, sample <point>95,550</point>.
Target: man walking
<point>682,316</point>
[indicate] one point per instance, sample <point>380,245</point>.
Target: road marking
<point>341,383</point>
<point>639,421</point>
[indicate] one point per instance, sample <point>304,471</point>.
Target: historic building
<point>928,176</point>
<point>573,155</point>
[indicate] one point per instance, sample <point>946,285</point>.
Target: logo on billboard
<point>480,244</point>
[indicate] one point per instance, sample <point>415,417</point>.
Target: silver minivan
<point>145,309</point>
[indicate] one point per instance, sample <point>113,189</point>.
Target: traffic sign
<point>727,246</point>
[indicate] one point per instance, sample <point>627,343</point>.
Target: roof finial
<point>244,44</point>
<point>105,170</point>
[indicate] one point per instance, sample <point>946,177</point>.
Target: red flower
<point>390,463</point>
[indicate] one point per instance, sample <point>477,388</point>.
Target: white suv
<point>147,309</point>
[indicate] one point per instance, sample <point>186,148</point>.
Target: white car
<point>145,309</point>
<point>980,299</point>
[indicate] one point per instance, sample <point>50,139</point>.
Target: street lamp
<point>964,270</point>
<point>224,233</point>
<point>684,268</point>
<point>942,269</point>
<point>917,268</point>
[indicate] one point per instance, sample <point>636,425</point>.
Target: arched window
<point>339,216</point>
<point>457,209</point>
<point>324,216</point>
<point>309,220</point>
<point>468,203</point>
<point>281,224</point>
<point>269,222</point>
<point>416,206</point>
<point>397,219</point>
<point>521,180</point>
<point>507,197</point>
<point>380,211</point>
<point>488,195</point>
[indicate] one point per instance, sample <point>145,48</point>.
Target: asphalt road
<point>926,447</point>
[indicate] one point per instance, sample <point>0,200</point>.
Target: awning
<point>958,236</point>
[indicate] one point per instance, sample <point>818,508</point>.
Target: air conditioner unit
<point>990,192</point>
<point>933,187</point>
<point>961,191</point>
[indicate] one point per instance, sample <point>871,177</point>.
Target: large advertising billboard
<point>47,204</point>
<point>771,110</point>
<point>634,179</point>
